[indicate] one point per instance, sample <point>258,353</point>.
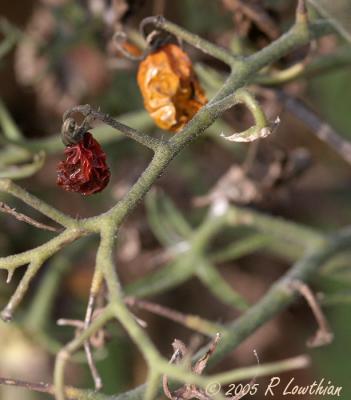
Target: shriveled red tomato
<point>85,169</point>
<point>171,91</point>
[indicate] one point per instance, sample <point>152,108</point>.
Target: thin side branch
<point>190,321</point>
<point>255,12</point>
<point>24,170</point>
<point>301,12</point>
<point>74,345</point>
<point>319,127</point>
<point>44,251</point>
<point>24,218</point>
<point>325,63</point>
<point>36,387</point>
<point>218,286</point>
<point>261,129</point>
<point>92,114</point>
<point>94,291</point>
<point>71,393</point>
<point>194,40</point>
<point>21,290</point>
<point>9,187</point>
<point>323,335</point>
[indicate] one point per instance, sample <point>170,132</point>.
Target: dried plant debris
<point>98,340</point>
<point>253,133</point>
<point>338,13</point>
<point>240,186</point>
<point>251,12</point>
<point>234,186</point>
<point>182,354</point>
<point>323,335</point>
<point>111,12</point>
<point>287,167</point>
<point>188,391</point>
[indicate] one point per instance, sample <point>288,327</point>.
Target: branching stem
<point>194,40</point>
<point>107,224</point>
<point>91,114</point>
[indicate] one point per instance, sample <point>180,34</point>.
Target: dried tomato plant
<point>85,171</point>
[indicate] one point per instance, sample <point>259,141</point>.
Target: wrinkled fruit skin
<point>171,91</point>
<point>84,170</point>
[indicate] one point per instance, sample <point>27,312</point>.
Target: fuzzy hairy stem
<point>140,137</point>
<point>195,40</point>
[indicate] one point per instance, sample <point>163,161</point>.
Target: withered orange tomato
<point>171,91</point>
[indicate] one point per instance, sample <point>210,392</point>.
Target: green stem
<point>280,295</point>
<point>194,40</point>
<point>26,170</point>
<point>140,137</point>
<point>32,269</point>
<point>9,187</point>
<point>41,252</point>
<point>73,346</point>
<point>121,312</point>
<point>277,227</point>
<point>240,248</point>
<point>21,150</point>
<point>152,385</point>
<point>210,277</point>
<point>7,124</point>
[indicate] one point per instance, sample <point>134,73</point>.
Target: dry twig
<point>24,218</point>
<point>323,335</point>
<point>319,127</point>
<point>254,12</point>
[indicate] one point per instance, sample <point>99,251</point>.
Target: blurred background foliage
<point>55,54</point>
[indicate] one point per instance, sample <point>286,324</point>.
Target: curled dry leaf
<point>253,133</point>
<point>249,135</point>
<point>171,91</point>
<point>234,186</point>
